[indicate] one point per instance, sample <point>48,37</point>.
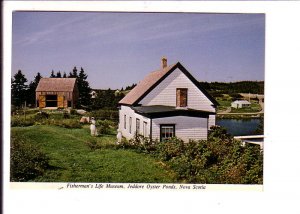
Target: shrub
<point>103,126</point>
<point>67,123</point>
<point>104,114</point>
<point>170,149</point>
<point>73,112</point>
<point>15,121</point>
<point>27,161</point>
<point>220,159</point>
<point>66,115</point>
<point>41,115</point>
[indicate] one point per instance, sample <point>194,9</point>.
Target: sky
<point>119,49</point>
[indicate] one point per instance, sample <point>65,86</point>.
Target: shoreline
<point>255,115</point>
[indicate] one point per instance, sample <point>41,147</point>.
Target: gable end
<point>189,76</point>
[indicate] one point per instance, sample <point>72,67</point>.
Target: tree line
<point>232,88</point>
<point>108,99</point>
<point>22,93</point>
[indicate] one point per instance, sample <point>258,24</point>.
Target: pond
<point>239,127</point>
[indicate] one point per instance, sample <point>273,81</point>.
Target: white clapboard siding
<point>165,93</point>
<point>211,121</point>
<point>125,110</point>
<point>186,128</point>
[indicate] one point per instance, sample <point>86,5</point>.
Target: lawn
<point>71,160</point>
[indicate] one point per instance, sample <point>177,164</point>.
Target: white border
<point>281,168</point>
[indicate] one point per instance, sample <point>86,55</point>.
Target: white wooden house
<point>240,104</point>
<point>168,102</point>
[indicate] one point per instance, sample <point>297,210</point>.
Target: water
<point>239,127</point>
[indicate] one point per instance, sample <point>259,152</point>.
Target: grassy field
<point>226,100</point>
<point>71,160</point>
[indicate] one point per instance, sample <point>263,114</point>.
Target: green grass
<point>71,160</point>
<point>224,104</point>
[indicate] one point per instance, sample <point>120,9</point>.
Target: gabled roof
<point>241,102</point>
<point>145,86</point>
<point>56,84</point>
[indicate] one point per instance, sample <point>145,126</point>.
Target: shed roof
<point>153,79</point>
<point>241,102</point>
<point>56,84</point>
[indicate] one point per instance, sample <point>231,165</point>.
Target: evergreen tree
<point>65,75</point>
<point>52,74</point>
<point>83,88</point>
<point>32,87</point>
<point>58,74</point>
<point>73,74</point>
<point>19,89</point>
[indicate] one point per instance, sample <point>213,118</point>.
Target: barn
<point>57,92</point>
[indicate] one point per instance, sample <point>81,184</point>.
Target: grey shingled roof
<point>56,84</point>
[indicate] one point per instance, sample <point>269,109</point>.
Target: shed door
<point>42,101</point>
<point>60,101</point>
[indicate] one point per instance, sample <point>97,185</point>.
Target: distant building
<point>93,94</point>
<point>240,104</point>
<point>57,92</point>
<point>168,102</point>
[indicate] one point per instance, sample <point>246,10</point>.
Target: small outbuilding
<point>240,104</point>
<point>57,92</point>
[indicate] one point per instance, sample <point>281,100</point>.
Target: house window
<point>145,129</point>
<point>130,123</point>
<point>181,97</point>
<point>167,131</point>
<point>137,126</point>
<point>124,121</point>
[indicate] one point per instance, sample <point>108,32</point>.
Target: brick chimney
<point>164,62</point>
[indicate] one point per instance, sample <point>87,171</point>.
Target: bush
<point>41,115</point>
<point>139,143</point>
<point>170,149</point>
<point>104,114</point>
<point>15,121</point>
<point>73,112</point>
<point>27,161</point>
<point>103,126</point>
<point>67,123</point>
<point>219,160</point>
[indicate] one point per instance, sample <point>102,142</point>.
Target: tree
<point>58,74</point>
<point>73,74</point>
<point>65,75</point>
<point>52,74</point>
<point>83,88</point>
<point>19,89</point>
<point>32,87</point>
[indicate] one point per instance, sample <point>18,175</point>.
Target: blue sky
<point>118,49</point>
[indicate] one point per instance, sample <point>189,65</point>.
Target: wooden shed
<point>57,92</point>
